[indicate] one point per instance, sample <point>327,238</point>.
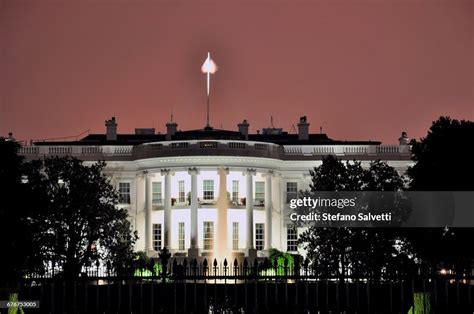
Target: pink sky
<point>360,69</point>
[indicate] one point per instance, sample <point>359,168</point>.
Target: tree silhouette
<point>444,157</point>
<point>76,221</point>
<point>15,237</point>
<point>359,251</point>
<point>444,163</point>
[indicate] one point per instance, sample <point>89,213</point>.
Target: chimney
<point>171,128</point>
<point>111,129</point>
<point>10,137</point>
<point>303,129</point>
<point>404,140</point>
<point>244,128</point>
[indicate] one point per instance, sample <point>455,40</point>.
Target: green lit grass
<point>422,303</point>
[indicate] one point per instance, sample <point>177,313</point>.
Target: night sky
<point>360,69</point>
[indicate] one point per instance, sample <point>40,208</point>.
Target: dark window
<point>259,236</point>
<point>291,191</point>
<point>157,237</point>
<point>124,192</point>
<point>291,238</point>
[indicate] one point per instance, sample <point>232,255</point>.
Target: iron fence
<point>182,285</point>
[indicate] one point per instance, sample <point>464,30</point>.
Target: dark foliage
<point>76,221</point>
<point>444,163</point>
<point>360,251</point>
<point>444,157</point>
<point>15,237</point>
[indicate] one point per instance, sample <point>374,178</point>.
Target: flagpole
<point>208,67</point>
<point>208,92</point>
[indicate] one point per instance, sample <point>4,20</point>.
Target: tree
<point>368,251</point>
<point>15,237</point>
<point>443,162</point>
<point>76,221</point>
<point>443,159</point>
<point>333,175</point>
<point>330,249</point>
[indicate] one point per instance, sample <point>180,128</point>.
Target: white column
<point>222,205</point>
<point>249,208</point>
<point>194,249</point>
<point>268,210</point>
<point>148,208</point>
<point>167,208</point>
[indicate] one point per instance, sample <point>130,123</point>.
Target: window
<point>157,198</point>
<point>235,235</point>
<point>181,236</point>
<point>235,191</point>
<point>237,145</point>
<point>156,146</point>
<point>181,194</point>
<point>261,146</point>
<point>157,237</point>
<point>259,192</point>
<point>291,238</point>
<point>291,191</point>
<point>208,144</point>
<point>180,145</point>
<point>124,192</point>
<point>208,189</point>
<point>259,236</point>
<point>208,235</point>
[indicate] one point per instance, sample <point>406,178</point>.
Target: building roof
<point>209,133</point>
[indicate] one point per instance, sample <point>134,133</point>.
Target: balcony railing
<point>218,148</point>
<point>108,152</point>
<point>347,150</point>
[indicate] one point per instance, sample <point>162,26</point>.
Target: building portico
<point>179,204</point>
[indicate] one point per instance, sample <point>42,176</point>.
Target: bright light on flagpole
<point>208,67</point>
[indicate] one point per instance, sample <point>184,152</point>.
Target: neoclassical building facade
<point>213,192</point>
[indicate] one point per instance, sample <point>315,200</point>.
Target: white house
<point>214,192</point>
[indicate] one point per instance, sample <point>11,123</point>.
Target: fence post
<point>195,267</point>
<point>164,257</point>
<point>185,277</point>
<point>245,268</point>
<point>204,270</point>
<point>285,268</point>
<point>225,278</point>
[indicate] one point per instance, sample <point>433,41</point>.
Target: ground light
<point>422,303</point>
<point>13,297</point>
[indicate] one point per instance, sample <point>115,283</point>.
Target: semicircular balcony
<point>207,148</point>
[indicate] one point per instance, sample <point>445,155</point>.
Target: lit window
<point>235,191</point>
<point>291,238</point>
<point>181,194</point>
<point>208,235</point>
<point>157,237</point>
<point>259,236</point>
<point>157,198</point>
<point>235,235</point>
<point>180,145</point>
<point>208,144</point>
<point>124,192</point>
<point>259,192</point>
<point>291,191</point>
<point>208,189</point>
<point>181,236</point>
